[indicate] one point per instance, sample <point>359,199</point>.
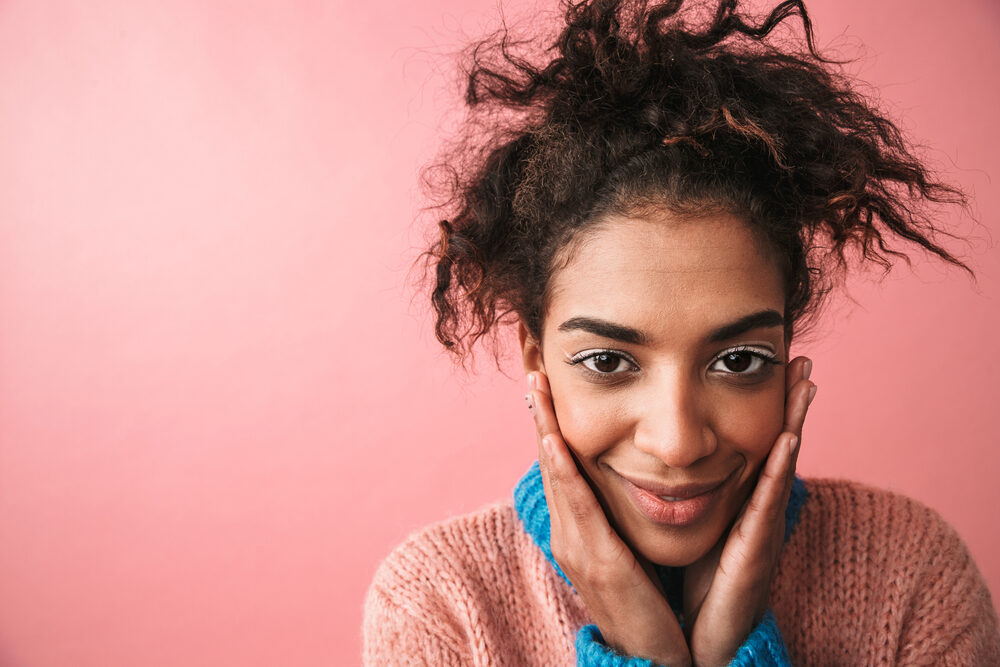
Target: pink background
<point>220,401</point>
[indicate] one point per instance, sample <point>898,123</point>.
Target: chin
<point>680,550</point>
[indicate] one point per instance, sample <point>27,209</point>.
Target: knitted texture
<point>867,577</point>
<point>592,651</point>
<point>763,648</point>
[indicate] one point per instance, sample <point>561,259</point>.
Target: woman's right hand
<point>622,594</point>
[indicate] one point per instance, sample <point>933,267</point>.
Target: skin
<point>670,409</point>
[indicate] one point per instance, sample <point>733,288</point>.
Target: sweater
<point>866,577</point>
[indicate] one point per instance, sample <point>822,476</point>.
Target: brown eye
<point>606,363</point>
<point>737,362</point>
<point>745,362</point>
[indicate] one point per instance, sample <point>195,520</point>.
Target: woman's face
<point>664,346</point>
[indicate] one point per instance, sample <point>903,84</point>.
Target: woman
<point>660,203</point>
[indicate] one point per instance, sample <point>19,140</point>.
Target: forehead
<point>665,274</point>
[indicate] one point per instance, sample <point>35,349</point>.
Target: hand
<point>726,591</point>
<point>623,595</point>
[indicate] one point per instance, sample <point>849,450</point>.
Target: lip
<point>689,502</point>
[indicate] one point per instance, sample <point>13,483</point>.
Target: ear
<point>531,350</point>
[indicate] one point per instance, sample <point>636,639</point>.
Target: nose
<point>673,423</point>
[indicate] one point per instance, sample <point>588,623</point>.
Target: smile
<point>673,505</point>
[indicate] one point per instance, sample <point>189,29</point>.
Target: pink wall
<point>220,404</point>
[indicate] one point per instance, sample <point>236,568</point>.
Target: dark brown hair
<point>631,109</point>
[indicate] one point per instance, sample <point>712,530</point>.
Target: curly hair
<point>631,110</point>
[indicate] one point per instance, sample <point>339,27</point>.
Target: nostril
<point>678,446</point>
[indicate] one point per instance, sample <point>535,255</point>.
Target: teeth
<point>669,498</point>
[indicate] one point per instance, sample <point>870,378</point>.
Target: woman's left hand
<point>726,591</point>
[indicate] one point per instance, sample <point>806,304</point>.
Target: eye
<point>744,361</point>
<point>603,362</point>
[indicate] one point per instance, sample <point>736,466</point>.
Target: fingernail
<point>531,404</point>
<point>532,381</point>
<point>807,369</point>
<point>794,445</point>
<point>812,394</point>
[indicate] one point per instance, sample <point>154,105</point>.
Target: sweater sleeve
<point>763,648</point>
<point>949,618</point>
<point>392,635</point>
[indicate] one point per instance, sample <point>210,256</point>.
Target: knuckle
<point>768,473</point>
<point>758,505</point>
<point>606,570</point>
<point>595,570</point>
<point>580,511</point>
<point>598,575</point>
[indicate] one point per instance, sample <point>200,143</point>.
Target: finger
<point>544,461</point>
<point>774,486</point>
<point>776,478</point>
<point>798,368</point>
<point>540,402</point>
<point>798,399</point>
<point>542,381</point>
<point>795,413</point>
<point>767,503</point>
<point>545,421</point>
<point>797,405</point>
<point>569,489</point>
<point>572,502</point>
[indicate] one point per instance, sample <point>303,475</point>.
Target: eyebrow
<point>759,320</point>
<point>605,329</point>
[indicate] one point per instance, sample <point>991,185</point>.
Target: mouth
<point>674,504</point>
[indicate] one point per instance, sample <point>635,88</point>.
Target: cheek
<point>751,423</point>
<point>590,424</point>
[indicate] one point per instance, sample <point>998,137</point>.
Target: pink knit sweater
<point>867,577</point>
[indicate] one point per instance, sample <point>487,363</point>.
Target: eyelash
<point>765,356</point>
<point>597,375</point>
